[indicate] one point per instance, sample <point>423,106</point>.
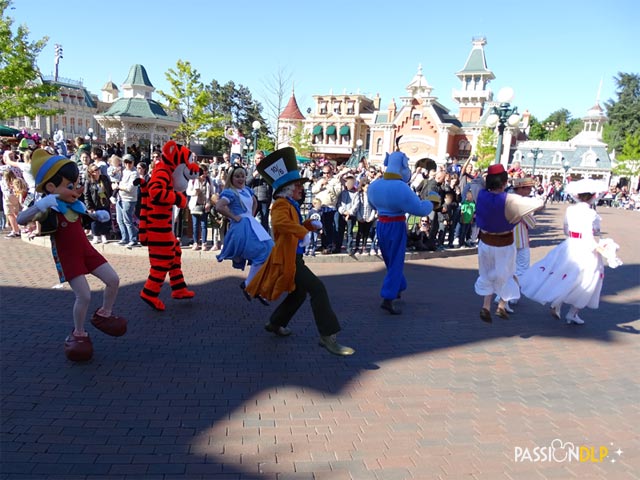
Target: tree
<point>486,148</point>
<point>228,105</point>
<point>22,92</point>
<point>301,141</point>
<point>187,98</point>
<point>623,113</point>
<point>536,129</point>
<point>628,162</point>
<point>559,126</point>
<point>277,87</point>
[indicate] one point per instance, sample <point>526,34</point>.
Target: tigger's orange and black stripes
<point>165,189</point>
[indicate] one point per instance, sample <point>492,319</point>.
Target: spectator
<point>328,189</point>
<point>366,217</point>
<point>127,197</point>
<point>314,214</point>
<point>467,214</point>
<point>346,206</point>
<point>97,192</point>
<point>238,143</point>
<point>262,191</point>
<point>97,157</point>
<point>199,191</point>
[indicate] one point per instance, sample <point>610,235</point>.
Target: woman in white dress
<point>572,272</point>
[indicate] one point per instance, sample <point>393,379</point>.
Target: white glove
<point>316,224</point>
<point>46,202</point>
<point>102,216</point>
<point>306,240</point>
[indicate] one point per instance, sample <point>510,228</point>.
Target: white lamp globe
<point>505,95</point>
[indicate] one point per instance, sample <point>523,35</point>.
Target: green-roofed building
<point>135,118</point>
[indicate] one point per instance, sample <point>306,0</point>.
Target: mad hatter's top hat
<point>280,169</point>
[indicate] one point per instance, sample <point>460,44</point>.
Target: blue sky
<point>552,53</point>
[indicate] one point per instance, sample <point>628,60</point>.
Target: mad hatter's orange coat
<point>277,275</point>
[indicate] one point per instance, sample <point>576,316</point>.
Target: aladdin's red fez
<point>496,169</point>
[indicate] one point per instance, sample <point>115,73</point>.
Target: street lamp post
<point>256,129</point>
<point>536,154</point>
<point>502,115</point>
<point>90,137</point>
<point>566,166</point>
<point>358,150</point>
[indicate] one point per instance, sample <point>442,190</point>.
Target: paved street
<point>201,391</point>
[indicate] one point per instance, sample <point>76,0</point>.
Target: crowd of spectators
<point>336,195</point>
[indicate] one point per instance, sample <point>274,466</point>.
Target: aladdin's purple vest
<point>490,212</point>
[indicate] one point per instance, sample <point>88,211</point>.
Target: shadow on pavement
<point>172,385</point>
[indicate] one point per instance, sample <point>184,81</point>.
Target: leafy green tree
<point>22,92</point>
<point>559,126</point>
<point>623,113</point>
<point>187,98</point>
<point>628,161</point>
<point>230,105</point>
<point>486,148</point>
<point>536,129</point>
<point>301,141</point>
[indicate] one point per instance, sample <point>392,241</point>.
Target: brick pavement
<point>201,391</point>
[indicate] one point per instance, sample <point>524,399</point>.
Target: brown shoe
<point>111,325</point>
<point>78,349</point>
<point>485,315</point>
<point>502,313</point>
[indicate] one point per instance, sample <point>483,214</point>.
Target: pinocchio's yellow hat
<point>44,166</point>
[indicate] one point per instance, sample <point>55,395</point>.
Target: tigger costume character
<point>165,188</point>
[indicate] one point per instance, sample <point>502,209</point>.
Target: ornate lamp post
<point>535,155</point>
<point>566,166</point>
<point>90,137</point>
<point>550,127</point>
<point>359,143</point>
<point>256,129</point>
<point>502,115</point>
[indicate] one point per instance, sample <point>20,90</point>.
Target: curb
<point>112,248</point>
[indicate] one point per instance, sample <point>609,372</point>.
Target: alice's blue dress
<point>246,241</point>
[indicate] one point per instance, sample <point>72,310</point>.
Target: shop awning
<point>331,130</point>
<point>344,131</point>
<point>317,130</point>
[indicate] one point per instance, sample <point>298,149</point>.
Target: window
<point>351,107</point>
<point>557,158</point>
<point>589,159</point>
<point>416,120</point>
<point>336,107</point>
<point>323,108</point>
<point>379,146</point>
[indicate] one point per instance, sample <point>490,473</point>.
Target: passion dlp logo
<point>559,451</point>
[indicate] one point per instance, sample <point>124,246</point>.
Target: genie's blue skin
<point>392,197</point>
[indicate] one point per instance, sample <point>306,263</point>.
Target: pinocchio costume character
<point>60,213</point>
<point>285,270</point>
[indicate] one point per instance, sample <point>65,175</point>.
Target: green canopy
<point>302,159</point>
<point>8,131</point>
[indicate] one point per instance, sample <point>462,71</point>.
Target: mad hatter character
<point>392,196</point>
<point>60,211</point>
<point>285,270</point>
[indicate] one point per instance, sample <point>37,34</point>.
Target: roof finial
<point>599,91</point>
